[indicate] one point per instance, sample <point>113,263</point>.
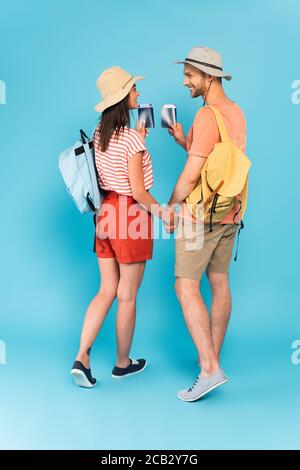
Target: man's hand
<point>176,131</point>
<point>141,129</point>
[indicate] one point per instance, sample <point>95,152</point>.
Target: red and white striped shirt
<point>112,165</point>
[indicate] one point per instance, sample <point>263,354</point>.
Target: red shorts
<point>125,230</point>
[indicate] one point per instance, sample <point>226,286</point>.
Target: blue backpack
<point>78,169</point>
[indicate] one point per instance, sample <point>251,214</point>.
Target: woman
<point>124,225</point>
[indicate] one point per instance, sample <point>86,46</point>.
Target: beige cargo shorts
<point>197,249</point>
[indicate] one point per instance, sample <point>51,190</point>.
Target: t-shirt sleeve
<point>135,144</point>
<point>205,133</point>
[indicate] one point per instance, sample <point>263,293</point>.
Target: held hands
<point>170,219</point>
<point>176,131</point>
<point>141,129</point>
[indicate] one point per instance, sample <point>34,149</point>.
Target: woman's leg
<point>99,306</point>
<point>131,276</point>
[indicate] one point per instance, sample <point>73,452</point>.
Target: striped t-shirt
<point>112,165</point>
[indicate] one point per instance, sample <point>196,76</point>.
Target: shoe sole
<point>130,373</point>
<point>203,393</point>
<point>80,379</point>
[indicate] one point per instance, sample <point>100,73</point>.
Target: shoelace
<point>194,385</point>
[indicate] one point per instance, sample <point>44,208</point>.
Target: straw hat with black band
<point>113,85</point>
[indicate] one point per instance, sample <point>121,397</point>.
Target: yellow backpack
<point>223,177</point>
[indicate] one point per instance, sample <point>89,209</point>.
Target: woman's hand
<point>99,233</point>
<point>176,131</point>
<point>141,129</point>
<point>99,225</point>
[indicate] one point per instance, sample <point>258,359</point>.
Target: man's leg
<point>220,308</point>
<point>217,273</point>
<point>197,320</point>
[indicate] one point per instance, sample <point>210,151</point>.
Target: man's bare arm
<point>187,180</point>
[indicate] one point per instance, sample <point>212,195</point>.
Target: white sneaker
<point>202,386</point>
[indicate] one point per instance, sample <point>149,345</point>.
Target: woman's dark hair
<point>114,118</point>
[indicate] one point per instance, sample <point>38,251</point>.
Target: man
<point>203,75</point>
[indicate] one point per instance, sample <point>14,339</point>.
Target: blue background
<point>51,55</point>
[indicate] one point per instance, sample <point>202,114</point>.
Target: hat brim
<point>119,96</point>
<point>209,70</point>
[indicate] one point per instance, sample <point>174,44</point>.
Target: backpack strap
<point>95,223</point>
<point>244,197</point>
<point>242,208</point>
<point>242,225</point>
<point>220,123</point>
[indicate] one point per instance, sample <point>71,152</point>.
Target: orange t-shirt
<point>204,134</point>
